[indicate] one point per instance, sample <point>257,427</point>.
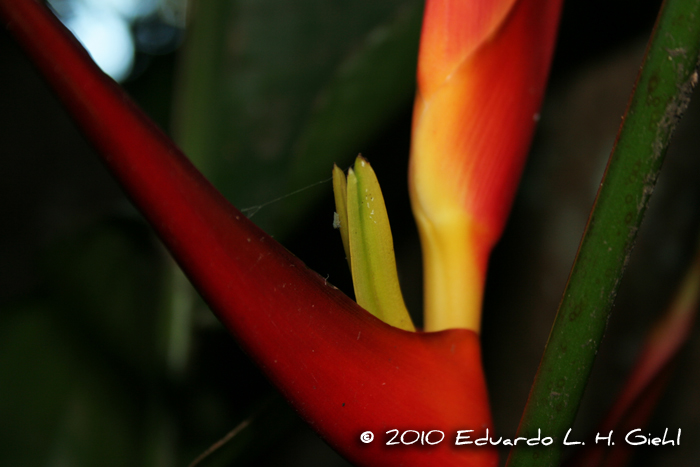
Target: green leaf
<point>272,88</point>
<point>662,93</point>
<point>369,88</point>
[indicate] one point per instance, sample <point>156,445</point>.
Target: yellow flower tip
<point>370,248</point>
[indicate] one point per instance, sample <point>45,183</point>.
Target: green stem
<point>662,93</point>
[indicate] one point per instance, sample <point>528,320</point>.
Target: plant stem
<point>662,93</point>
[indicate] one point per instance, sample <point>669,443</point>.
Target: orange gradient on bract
<point>477,105</point>
<point>452,31</point>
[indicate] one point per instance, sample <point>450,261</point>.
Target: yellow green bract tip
<point>366,234</point>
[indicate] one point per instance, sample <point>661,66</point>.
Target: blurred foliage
<point>273,93</point>
<point>60,402</point>
<point>82,353</point>
<point>265,96</point>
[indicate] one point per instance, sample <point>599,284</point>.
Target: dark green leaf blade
<point>271,87</point>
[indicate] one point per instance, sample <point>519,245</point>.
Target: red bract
<point>345,371</point>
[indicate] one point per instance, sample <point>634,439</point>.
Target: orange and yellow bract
<point>482,69</point>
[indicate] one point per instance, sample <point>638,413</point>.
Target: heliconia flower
<point>345,371</point>
<point>481,75</point>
